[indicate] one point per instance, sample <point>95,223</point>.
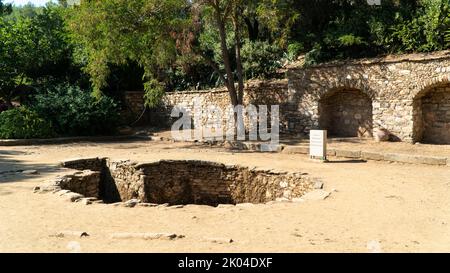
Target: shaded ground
<point>404,207</point>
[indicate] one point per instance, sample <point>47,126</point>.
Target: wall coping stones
<point>73,161</point>
<point>223,89</point>
<point>415,57</point>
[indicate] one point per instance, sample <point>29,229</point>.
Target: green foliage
<point>176,44</point>
<point>447,38</point>
<point>5,9</point>
<point>313,57</point>
<point>351,40</point>
<point>352,28</point>
<point>279,17</point>
<point>28,11</point>
<point>293,51</point>
<point>22,123</point>
<point>114,32</point>
<point>34,49</point>
<point>154,92</point>
<point>425,31</point>
<point>75,112</point>
<point>260,59</point>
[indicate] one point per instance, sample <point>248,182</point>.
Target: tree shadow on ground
<point>12,167</point>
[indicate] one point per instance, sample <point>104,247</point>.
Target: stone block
<point>331,152</point>
<point>316,195</point>
<point>372,156</point>
<point>415,159</point>
<point>72,196</point>
<point>296,150</point>
<point>348,153</point>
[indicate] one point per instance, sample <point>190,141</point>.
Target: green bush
<point>313,57</point>
<point>260,59</point>
<point>24,123</point>
<point>294,50</point>
<point>74,112</point>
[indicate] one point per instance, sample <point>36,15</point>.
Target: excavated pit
<point>181,182</point>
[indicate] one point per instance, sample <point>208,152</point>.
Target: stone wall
<point>392,83</point>
<point>257,92</point>
<point>346,113</point>
<point>435,107</point>
<point>85,182</point>
<point>394,86</point>
<point>125,181</point>
<point>198,182</point>
<point>186,182</point>
<point>93,164</point>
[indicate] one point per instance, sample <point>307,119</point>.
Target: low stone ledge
<point>372,156</point>
<point>376,156</point>
<point>270,148</point>
<point>82,163</point>
<point>296,150</point>
<point>415,159</point>
<point>431,160</point>
<point>348,154</point>
<point>331,152</point>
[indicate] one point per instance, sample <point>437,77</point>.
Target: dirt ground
<point>405,208</point>
<point>367,145</point>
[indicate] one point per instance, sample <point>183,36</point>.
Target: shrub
<point>3,106</point>
<point>75,112</point>
<point>293,51</point>
<point>24,123</point>
<point>260,59</point>
<point>313,57</point>
<point>154,92</point>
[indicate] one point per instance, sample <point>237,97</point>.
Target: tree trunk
<point>226,57</point>
<point>252,28</point>
<point>240,93</point>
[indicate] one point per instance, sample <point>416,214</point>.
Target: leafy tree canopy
<point>33,50</point>
<point>119,31</point>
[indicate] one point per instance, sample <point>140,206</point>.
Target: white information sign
<point>318,144</point>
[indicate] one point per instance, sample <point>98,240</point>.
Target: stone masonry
<point>408,95</point>
<point>207,183</point>
<point>180,182</point>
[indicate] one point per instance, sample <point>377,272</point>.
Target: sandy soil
<point>404,207</point>
<point>367,145</point>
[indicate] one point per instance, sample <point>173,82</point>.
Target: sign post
<point>318,144</point>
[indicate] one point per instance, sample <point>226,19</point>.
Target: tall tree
<point>31,50</point>
<point>116,32</point>
<point>5,9</point>
<point>225,17</point>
